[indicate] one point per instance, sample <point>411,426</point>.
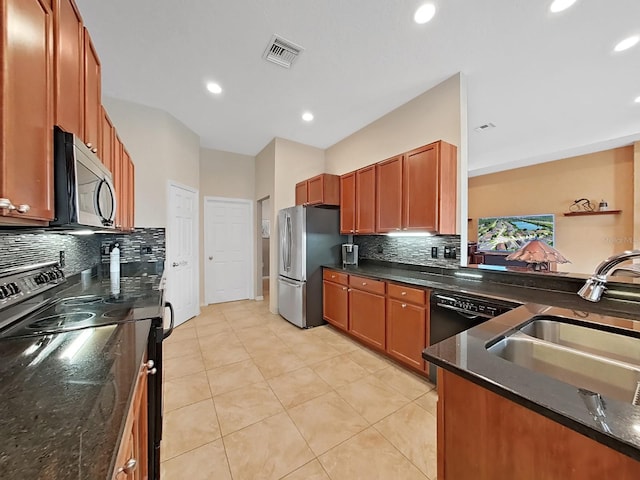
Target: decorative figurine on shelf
<point>582,205</point>
<point>603,206</point>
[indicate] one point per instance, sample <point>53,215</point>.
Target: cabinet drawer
<point>335,276</point>
<point>366,284</point>
<point>407,294</point>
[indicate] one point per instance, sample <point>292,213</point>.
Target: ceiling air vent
<point>486,126</point>
<point>281,52</point>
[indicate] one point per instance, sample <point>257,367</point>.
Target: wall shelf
<point>579,214</point>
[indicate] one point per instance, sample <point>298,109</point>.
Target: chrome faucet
<point>595,286</point>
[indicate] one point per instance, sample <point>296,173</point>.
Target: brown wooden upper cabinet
<point>107,141</point>
<point>417,190</point>
<point>430,188</point>
<point>69,67</point>
<point>322,189</point>
<point>92,95</point>
<point>357,201</point>
<point>26,116</point>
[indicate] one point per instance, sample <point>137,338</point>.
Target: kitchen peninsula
<point>559,411</point>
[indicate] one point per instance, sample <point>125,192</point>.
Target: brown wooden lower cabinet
<point>132,462</point>
<point>484,436</point>
<point>335,304</point>
<point>406,332</point>
<point>367,317</point>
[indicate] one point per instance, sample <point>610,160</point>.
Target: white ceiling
<point>550,82</point>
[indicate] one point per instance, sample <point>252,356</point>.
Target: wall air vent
<point>486,126</point>
<point>281,52</point>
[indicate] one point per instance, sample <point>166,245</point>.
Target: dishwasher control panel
<point>463,303</point>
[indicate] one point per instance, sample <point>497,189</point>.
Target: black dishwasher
<point>452,313</point>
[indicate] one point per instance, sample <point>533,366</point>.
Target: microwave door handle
<point>103,183</point>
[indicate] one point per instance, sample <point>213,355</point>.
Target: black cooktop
<point>73,313</point>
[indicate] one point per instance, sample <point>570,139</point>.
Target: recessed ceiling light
<point>560,5</point>
<point>627,43</point>
<point>424,13</point>
<point>214,88</point>
<point>637,100</point>
<point>307,116</point>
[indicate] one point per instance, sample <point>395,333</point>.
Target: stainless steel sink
<point>588,358</point>
<point>591,340</point>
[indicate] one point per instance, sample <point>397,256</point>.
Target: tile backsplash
<point>19,249</point>
<point>411,250</point>
<point>132,244</point>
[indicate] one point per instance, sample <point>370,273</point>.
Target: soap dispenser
<point>114,256</point>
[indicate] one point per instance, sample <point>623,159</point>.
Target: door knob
<point>210,257</point>
<point>175,264</point>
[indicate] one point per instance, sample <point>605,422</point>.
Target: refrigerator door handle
<point>283,247</point>
<point>288,266</point>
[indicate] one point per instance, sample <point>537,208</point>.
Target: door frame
<point>251,291</point>
<point>196,238</point>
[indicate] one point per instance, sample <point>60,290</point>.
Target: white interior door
<point>228,249</point>
<point>182,252</point>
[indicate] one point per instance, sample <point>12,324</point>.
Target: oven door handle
<point>166,333</point>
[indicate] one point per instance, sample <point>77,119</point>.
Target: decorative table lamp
<point>538,255</point>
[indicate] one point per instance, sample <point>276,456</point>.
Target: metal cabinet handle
<point>333,276</point>
<point>89,145</point>
<point>348,290</point>
<point>403,293</point>
<point>94,150</point>
<point>150,364</point>
<point>23,208</point>
<point>152,371</point>
<point>5,203</point>
<point>404,305</point>
<point>364,284</point>
<point>128,467</point>
<point>344,288</point>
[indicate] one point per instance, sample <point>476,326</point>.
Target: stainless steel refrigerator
<point>309,237</point>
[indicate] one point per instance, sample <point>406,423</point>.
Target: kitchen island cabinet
<point>485,436</point>
<point>26,118</point>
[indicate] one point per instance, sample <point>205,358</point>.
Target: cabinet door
<point>335,304</point>
<point>366,200</point>
<point>92,95</point>
<point>107,146</point>
<point>421,188</point>
<point>132,195</point>
<point>26,116</point>
<point>69,67</point>
<point>348,203</point>
<point>117,182</point>
<point>389,195</point>
<point>406,332</point>
<point>367,317</point>
<point>315,190</point>
<point>124,188</point>
<point>301,193</point>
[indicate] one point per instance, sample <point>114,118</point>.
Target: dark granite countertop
<point>466,353</point>
<point>64,397</point>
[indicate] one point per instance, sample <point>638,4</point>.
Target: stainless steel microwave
<point>83,187</point>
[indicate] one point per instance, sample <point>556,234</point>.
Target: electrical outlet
<point>453,252</point>
<point>106,249</point>
<point>145,250</point>
<point>62,258</point>
<point>449,251</point>
<point>434,252</point>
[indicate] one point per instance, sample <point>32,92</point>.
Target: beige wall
<point>223,174</point>
<point>636,197</point>
<point>162,149</point>
<point>434,115</point>
<point>551,188</point>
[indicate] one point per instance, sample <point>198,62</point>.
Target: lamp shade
<point>537,251</point>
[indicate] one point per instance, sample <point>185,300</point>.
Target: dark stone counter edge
<point>600,437</point>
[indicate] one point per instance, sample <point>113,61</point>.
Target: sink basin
<point>610,345</point>
<point>588,358</point>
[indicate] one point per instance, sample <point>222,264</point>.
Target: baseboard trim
<point>259,298</point>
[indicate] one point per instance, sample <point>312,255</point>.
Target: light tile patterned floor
<point>248,396</point>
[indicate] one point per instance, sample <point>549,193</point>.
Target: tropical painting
<point>508,234</point>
